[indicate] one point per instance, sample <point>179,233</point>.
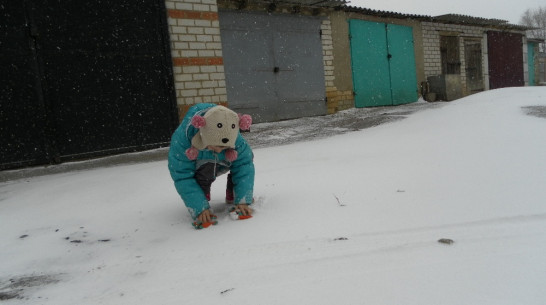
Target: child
<point>208,144</point>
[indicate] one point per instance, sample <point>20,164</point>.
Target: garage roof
<point>306,3</point>
<point>448,18</point>
<point>470,20</point>
<point>378,13</point>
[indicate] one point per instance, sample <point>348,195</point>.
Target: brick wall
<point>431,47</point>
<point>196,52</point>
<point>336,100</point>
<point>197,56</point>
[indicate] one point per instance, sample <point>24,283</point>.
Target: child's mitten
<point>235,214</point>
<point>201,225</point>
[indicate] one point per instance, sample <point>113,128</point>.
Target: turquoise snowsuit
<point>183,169</point>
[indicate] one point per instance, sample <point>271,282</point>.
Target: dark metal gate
<point>273,64</point>
<point>84,78</point>
<point>505,59</point>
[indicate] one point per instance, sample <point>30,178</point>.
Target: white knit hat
<point>218,127</point>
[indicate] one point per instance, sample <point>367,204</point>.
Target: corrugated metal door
<point>92,79</point>
<point>273,65</point>
<point>107,73</point>
<point>383,64</point>
<point>505,59</point>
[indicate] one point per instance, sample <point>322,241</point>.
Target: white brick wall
<point>431,47</point>
<point>196,50</point>
<point>327,52</point>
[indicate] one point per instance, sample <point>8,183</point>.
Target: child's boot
<point>229,196</point>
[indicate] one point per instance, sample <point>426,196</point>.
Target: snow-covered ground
<point>350,219</point>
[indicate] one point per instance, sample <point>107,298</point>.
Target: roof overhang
<point>478,21</point>
<point>301,3</point>
<point>446,19</point>
<point>312,3</point>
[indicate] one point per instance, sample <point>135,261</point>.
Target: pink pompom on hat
<point>219,126</point>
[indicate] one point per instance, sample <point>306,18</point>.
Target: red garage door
<point>505,59</point>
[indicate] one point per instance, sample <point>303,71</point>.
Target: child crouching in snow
<point>208,144</point>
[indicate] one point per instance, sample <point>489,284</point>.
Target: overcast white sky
<point>505,10</point>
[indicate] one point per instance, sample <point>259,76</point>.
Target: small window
<point>449,49</point>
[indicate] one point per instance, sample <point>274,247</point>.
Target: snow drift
<point>350,219</point>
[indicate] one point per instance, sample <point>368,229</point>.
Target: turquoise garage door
<point>383,64</point>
